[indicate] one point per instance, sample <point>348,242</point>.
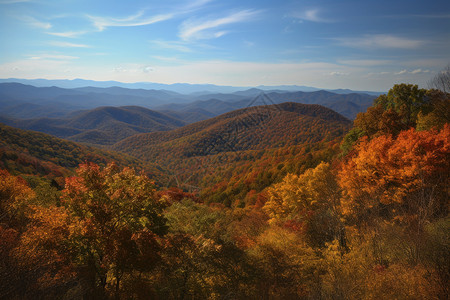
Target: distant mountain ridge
<point>24,101</point>
<point>183,88</point>
<point>346,104</point>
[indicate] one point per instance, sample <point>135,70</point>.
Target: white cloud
<point>377,41</point>
<point>204,29</point>
<point>140,19</point>
<point>311,15</point>
<point>53,56</point>
<point>35,22</point>
<point>69,45</point>
<point>67,34</point>
<point>334,73</point>
<point>173,45</point>
<point>147,69</point>
<point>416,71</point>
<point>364,62</point>
<point>166,58</point>
<point>101,23</point>
<point>197,3</point>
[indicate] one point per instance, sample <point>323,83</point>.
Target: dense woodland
<point>290,201</point>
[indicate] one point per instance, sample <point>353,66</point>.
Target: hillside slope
<point>242,143</point>
<point>33,153</point>
<point>250,128</point>
<point>103,125</point>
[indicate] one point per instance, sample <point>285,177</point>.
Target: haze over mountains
<point>182,88</point>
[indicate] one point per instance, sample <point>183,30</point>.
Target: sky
<point>360,45</point>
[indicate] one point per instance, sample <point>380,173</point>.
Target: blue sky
<point>362,45</point>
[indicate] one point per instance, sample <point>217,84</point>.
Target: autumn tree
<point>108,226</point>
<point>15,196</point>
<point>403,107</point>
<point>438,114</point>
<point>311,199</point>
<point>395,177</point>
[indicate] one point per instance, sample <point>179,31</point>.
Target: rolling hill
<point>103,125</point>
<point>206,153</point>
<point>34,153</point>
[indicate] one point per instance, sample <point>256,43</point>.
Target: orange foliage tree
<point>15,196</point>
<point>398,177</point>
<point>107,226</point>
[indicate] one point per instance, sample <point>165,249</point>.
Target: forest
<point>293,202</point>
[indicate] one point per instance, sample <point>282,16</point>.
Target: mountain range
<point>183,88</point>
<point>104,116</point>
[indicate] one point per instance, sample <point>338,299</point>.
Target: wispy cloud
<point>173,45</point>
<point>416,71</point>
<point>141,19</point>
<point>335,73</point>
<point>376,41</point>
<point>35,22</point>
<point>364,62</point>
<point>311,15</point>
<point>166,58</point>
<point>197,4</point>
<point>205,29</point>
<point>53,57</point>
<point>69,45</point>
<point>68,34</point>
<point>101,23</point>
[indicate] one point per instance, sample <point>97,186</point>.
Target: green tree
<point>407,100</point>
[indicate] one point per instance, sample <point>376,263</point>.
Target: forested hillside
<point>242,151</point>
<point>34,153</point>
<point>287,201</point>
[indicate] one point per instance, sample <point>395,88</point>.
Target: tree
<point>107,226</point>
<point>311,199</point>
<point>406,100</point>
<point>15,197</point>
<point>401,109</point>
<point>398,177</point>
<point>439,112</point>
<point>442,80</point>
